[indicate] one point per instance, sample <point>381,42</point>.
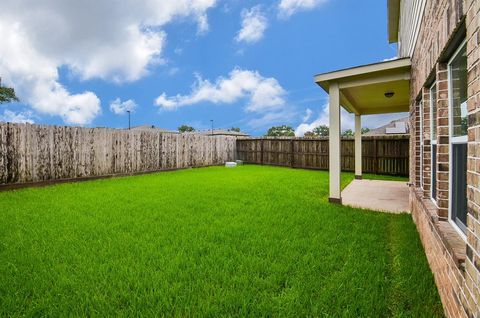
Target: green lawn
<point>370,176</point>
<point>249,241</point>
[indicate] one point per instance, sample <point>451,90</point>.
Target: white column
<point>334,144</point>
<point>358,147</point>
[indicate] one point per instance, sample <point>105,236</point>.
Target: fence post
<point>261,151</point>
<point>292,153</point>
<point>383,154</point>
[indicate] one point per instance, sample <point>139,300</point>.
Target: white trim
<point>393,65</point>
<point>417,27</point>
<point>455,226</point>
<point>452,141</point>
<point>459,139</point>
<point>432,142</point>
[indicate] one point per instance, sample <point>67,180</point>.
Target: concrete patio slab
<point>385,196</point>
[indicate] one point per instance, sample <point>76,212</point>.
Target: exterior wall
<point>472,265</point>
<point>443,146</point>
<point>442,259</point>
<point>415,145</point>
<point>427,155</point>
<point>455,261</point>
<point>410,20</point>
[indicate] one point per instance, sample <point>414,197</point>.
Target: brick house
<point>436,79</point>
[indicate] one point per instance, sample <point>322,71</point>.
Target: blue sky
<point>196,60</point>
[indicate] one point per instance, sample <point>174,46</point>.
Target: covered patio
<point>378,88</point>
<point>377,195</point>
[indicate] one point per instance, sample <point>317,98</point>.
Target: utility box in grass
<point>230,164</point>
<point>239,162</point>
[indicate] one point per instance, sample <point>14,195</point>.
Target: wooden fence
<point>380,154</point>
<point>35,153</point>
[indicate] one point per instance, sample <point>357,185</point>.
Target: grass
<point>370,176</point>
<point>249,241</point>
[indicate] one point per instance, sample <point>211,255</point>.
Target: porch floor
<point>385,196</point>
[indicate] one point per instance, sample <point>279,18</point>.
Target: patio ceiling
<point>363,89</point>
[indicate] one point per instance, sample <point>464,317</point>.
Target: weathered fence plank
<point>35,153</point>
<point>380,154</point>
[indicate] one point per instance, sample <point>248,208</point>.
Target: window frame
<point>433,142</point>
<point>420,104</point>
<point>453,140</point>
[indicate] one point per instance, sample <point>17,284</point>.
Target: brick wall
<point>441,19</point>
<point>415,144</point>
<point>442,140</point>
<point>427,155</point>
<point>472,265</point>
<point>442,260</point>
<point>454,261</point>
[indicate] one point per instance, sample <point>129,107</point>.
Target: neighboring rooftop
<point>152,127</point>
<point>223,132</point>
<point>395,127</point>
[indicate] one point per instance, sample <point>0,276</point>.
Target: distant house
<point>395,127</point>
<point>152,127</point>
<point>223,132</point>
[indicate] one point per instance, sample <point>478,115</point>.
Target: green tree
<point>237,129</point>
<point>281,131</point>
<point>7,95</point>
<point>309,134</point>
<point>186,128</point>
<point>365,130</point>
<point>347,133</point>
<point>322,131</point>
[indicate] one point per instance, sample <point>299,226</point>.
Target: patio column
<point>358,147</point>
<point>334,144</point>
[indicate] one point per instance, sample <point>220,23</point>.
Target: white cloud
<point>119,107</point>
<point>262,94</point>
<point>390,59</point>
<point>287,8</point>
<point>21,117</point>
<point>108,39</point>
<point>173,71</point>
<point>272,118</point>
<point>347,120</point>
<point>308,115</point>
<point>254,24</point>
<point>322,119</point>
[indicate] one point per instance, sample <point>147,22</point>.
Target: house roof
<point>363,89</point>
<point>399,126</point>
<point>152,127</point>
<point>223,132</point>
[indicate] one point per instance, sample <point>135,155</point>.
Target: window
<point>420,105</point>
<point>433,134</point>
<point>457,77</point>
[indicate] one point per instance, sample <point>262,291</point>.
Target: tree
<point>347,133</point>
<point>281,131</point>
<point>365,130</point>
<point>7,95</point>
<point>309,134</point>
<point>322,131</point>
<point>185,128</point>
<point>237,129</point>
